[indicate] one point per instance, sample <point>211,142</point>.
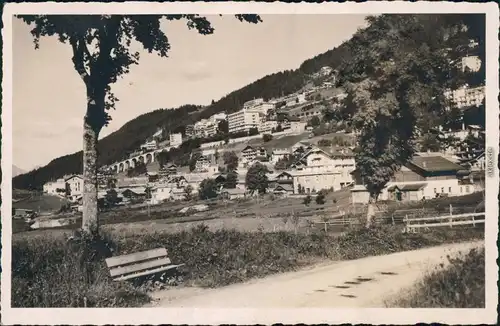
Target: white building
<point>57,187</point>
<point>244,120</point>
<point>161,193</point>
<point>425,177</point>
<point>279,154</point>
<point>75,185</point>
<point>323,169</point>
<point>210,126</point>
<point>202,164</point>
<point>201,127</point>
<point>150,145</point>
<point>268,126</point>
<point>175,140</point>
<point>297,127</point>
<point>259,105</point>
<point>466,97</point>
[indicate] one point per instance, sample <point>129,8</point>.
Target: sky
<point>49,99</point>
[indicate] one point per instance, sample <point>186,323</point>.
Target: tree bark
<point>90,222</point>
<point>370,212</point>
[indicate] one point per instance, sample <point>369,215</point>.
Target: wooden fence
<point>415,224</point>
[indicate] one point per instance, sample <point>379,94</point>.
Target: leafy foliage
<point>231,180</point>
<point>256,178</point>
<point>188,193</point>
<point>396,80</point>
<point>267,137</point>
<point>138,170</point>
<point>230,160</point>
<point>320,197</point>
<point>208,189</point>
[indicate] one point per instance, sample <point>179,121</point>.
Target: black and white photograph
<point>258,161</point>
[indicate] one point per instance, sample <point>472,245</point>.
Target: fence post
<point>407,229</point>
<point>392,217</point>
<point>473,221</point>
<point>326,228</point>
<point>451,214</point>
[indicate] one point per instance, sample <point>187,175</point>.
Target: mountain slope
<point>17,171</point>
<point>129,137</point>
<point>116,146</point>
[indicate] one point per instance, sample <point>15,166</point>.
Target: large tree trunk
<point>90,222</point>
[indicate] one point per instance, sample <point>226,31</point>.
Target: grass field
<point>51,272</point>
<point>458,284</point>
<point>268,214</point>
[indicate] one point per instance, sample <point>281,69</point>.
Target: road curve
<point>362,283</point>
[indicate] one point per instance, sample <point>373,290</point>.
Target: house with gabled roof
<point>424,177</point>
<point>283,189</point>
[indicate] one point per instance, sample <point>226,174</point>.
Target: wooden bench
<point>139,264</point>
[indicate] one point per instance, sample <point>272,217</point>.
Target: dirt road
<point>364,283</point>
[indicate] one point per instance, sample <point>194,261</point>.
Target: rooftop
<point>435,164</point>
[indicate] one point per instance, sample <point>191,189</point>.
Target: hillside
<point>116,146</point>
<point>17,171</point>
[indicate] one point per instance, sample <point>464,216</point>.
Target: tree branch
<point>78,58</point>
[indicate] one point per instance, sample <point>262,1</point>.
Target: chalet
<point>136,193</point>
<point>310,182</point>
<point>232,193</point>
<point>424,177</point>
<point>178,194</point>
<point>283,189</point>
<point>168,169</point>
<point>279,154</point>
<point>284,178</point>
<point>261,155</point>
<point>301,147</point>
<point>57,187</point>
<point>323,169</point>
<point>248,154</point>
<point>161,192</point>
<point>202,164</point>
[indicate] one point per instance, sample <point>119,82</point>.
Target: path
<point>366,282</point>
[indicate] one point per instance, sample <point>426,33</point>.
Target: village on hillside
<point>279,136</point>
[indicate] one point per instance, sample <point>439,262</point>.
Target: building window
<point>435,190</point>
<point>461,189</point>
<point>442,190</point>
<point>449,189</point>
<point>467,189</point>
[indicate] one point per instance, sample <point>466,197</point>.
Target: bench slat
<point>144,266</point>
<point>136,257</point>
<point>152,271</point>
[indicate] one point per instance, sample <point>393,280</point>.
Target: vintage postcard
<point>250,163</point>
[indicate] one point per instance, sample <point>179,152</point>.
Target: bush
<point>459,285</point>
<point>267,137</point>
<point>307,200</point>
<point>320,197</point>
